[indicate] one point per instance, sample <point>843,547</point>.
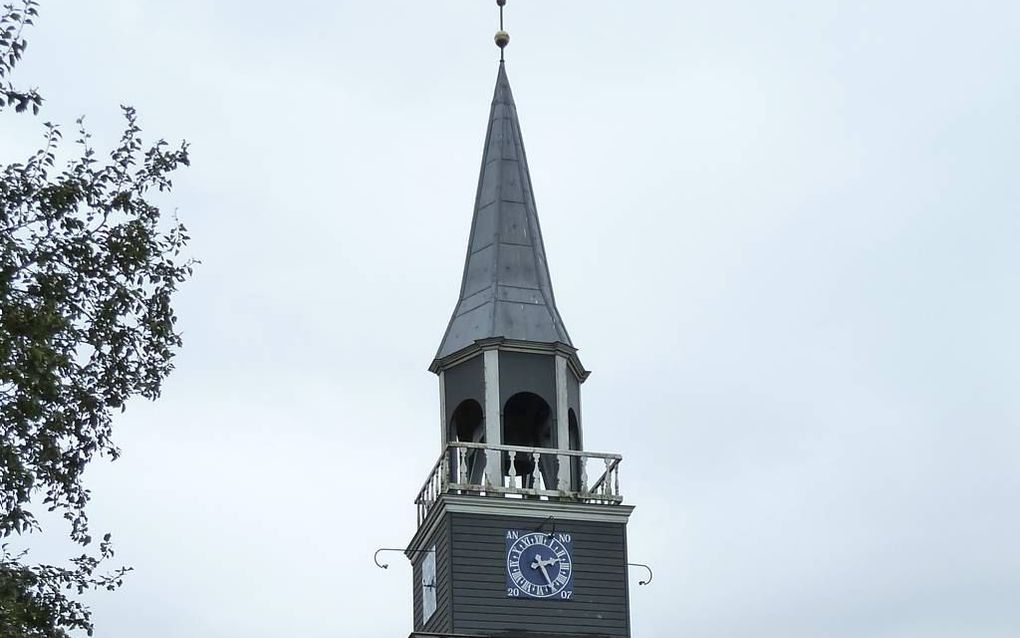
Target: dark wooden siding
<point>526,372</point>
<point>441,621</point>
<point>600,602</point>
<point>462,382</point>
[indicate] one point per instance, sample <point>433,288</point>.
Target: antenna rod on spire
<point>502,37</point>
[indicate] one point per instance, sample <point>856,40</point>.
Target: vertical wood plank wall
<point>599,606</point>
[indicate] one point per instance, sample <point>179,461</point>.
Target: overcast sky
<point>783,234</point>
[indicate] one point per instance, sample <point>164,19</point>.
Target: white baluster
<point>537,472</point>
<point>616,479</point>
<point>584,474</point>
<point>513,470</point>
<point>462,472</point>
<point>607,484</point>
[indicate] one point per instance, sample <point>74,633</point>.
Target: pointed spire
<point>506,289</point>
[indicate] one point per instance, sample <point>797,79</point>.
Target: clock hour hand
<point>541,564</point>
<point>538,562</point>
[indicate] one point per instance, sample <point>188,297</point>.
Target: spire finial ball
<point>502,39</point>
<point>501,3</point>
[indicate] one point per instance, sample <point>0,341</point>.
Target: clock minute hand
<point>545,573</point>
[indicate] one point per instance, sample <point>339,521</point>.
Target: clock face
<point>428,585</point>
<point>538,565</point>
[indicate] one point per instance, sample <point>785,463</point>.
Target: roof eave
<point>513,345</point>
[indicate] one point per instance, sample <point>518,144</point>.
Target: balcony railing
<point>512,471</point>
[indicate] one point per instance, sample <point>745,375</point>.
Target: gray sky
<point>783,234</point>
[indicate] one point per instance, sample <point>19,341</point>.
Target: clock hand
<point>541,564</point>
<point>538,562</point>
<point>546,574</point>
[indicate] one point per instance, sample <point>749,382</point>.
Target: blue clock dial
<point>539,565</point>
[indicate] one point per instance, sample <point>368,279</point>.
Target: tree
<point>88,268</point>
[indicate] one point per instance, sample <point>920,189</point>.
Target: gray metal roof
<point>506,290</point>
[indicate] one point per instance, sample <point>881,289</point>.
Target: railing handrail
<point>432,473</point>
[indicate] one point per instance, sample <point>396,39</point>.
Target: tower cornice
<point>513,345</point>
<point>537,510</point>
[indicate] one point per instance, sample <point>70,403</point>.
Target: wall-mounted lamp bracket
<point>541,527</point>
<point>375,556</point>
<point>650,574</point>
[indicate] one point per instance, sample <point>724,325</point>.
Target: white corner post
<point>493,471</point>
<point>562,424</point>
<point>443,434</point>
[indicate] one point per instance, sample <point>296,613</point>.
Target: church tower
<point>521,531</point>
